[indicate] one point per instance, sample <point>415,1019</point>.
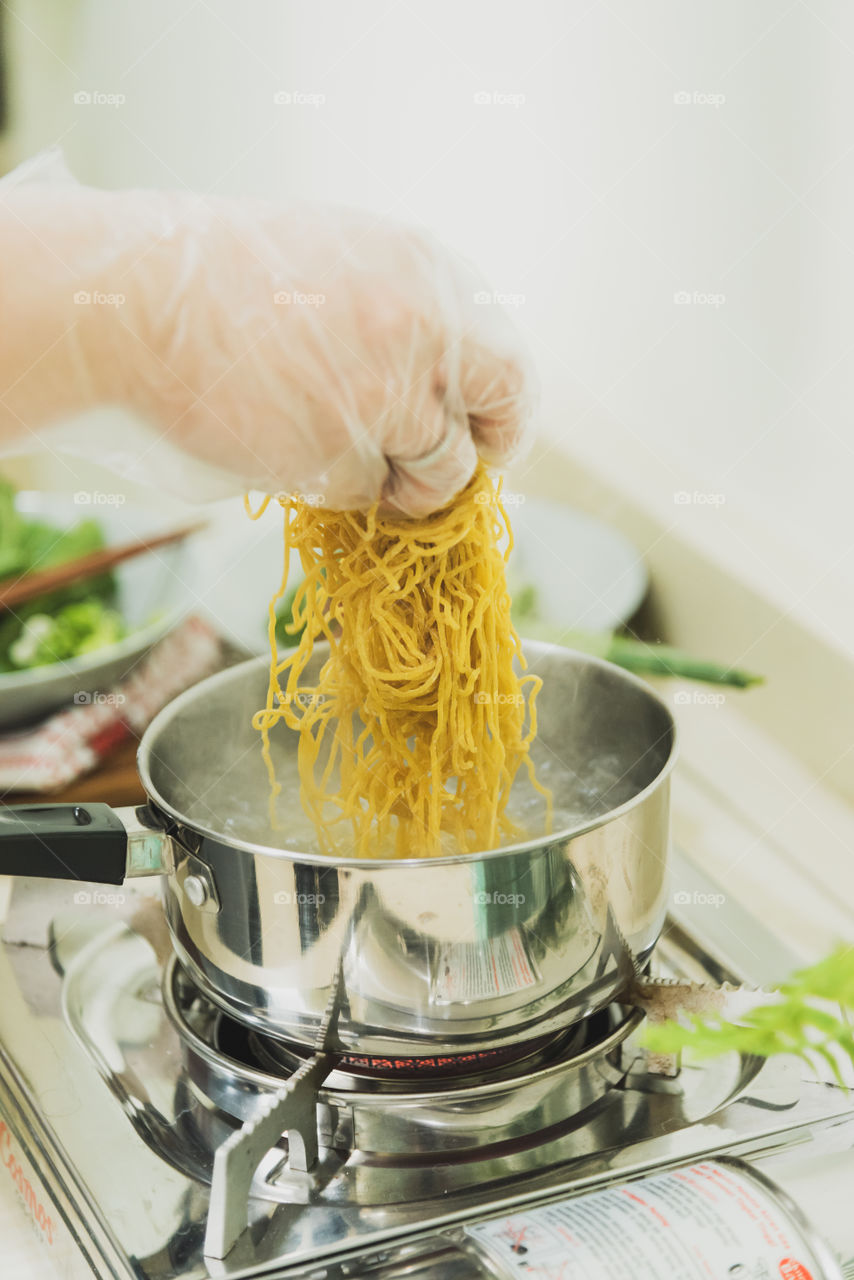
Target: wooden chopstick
<point>38,583</point>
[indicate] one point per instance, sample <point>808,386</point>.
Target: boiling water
<point>236,806</point>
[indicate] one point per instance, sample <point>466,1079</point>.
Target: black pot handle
<point>63,842</point>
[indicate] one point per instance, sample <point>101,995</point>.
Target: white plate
<point>152,598</point>
<point>587,576</point>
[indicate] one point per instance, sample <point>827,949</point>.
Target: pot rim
<point>538,845</point>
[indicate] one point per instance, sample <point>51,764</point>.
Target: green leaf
<point>811,1017</point>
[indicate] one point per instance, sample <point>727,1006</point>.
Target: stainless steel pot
<point>423,956</point>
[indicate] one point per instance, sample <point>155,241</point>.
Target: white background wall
<point>597,196</point>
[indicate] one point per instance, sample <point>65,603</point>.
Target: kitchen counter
<point>114,782</point>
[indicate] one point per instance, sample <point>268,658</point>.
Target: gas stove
<point>150,1135</point>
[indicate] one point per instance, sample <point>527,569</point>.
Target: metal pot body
<point>424,956</point>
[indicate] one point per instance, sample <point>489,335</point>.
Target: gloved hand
<point>306,350</point>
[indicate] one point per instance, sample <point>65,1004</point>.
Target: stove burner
<point>223,1039</point>
<point>217,1046</point>
<point>238,1043</point>
<point>285,1057</point>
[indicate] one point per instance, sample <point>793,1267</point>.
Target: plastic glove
<point>307,350</point>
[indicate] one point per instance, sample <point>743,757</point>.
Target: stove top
<point>132,1110</point>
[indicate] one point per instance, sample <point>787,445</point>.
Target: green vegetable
<point>810,1018</point>
<point>664,660</point>
<point>62,624</point>
<point>287,631</point>
<point>73,630</point>
<point>525,605</point>
<point>625,651</point>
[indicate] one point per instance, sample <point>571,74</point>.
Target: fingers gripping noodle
<point>413,734</point>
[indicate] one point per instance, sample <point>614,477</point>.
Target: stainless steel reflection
<point>434,955</point>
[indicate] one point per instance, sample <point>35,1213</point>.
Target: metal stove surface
<point>109,1118</point>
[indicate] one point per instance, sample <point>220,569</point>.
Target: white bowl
<point>152,598</point>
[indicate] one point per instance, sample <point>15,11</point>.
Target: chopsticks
<point>41,581</point>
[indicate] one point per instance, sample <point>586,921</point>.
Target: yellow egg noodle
<point>417,724</point>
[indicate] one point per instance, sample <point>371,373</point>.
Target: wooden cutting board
<point>114,782</point>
